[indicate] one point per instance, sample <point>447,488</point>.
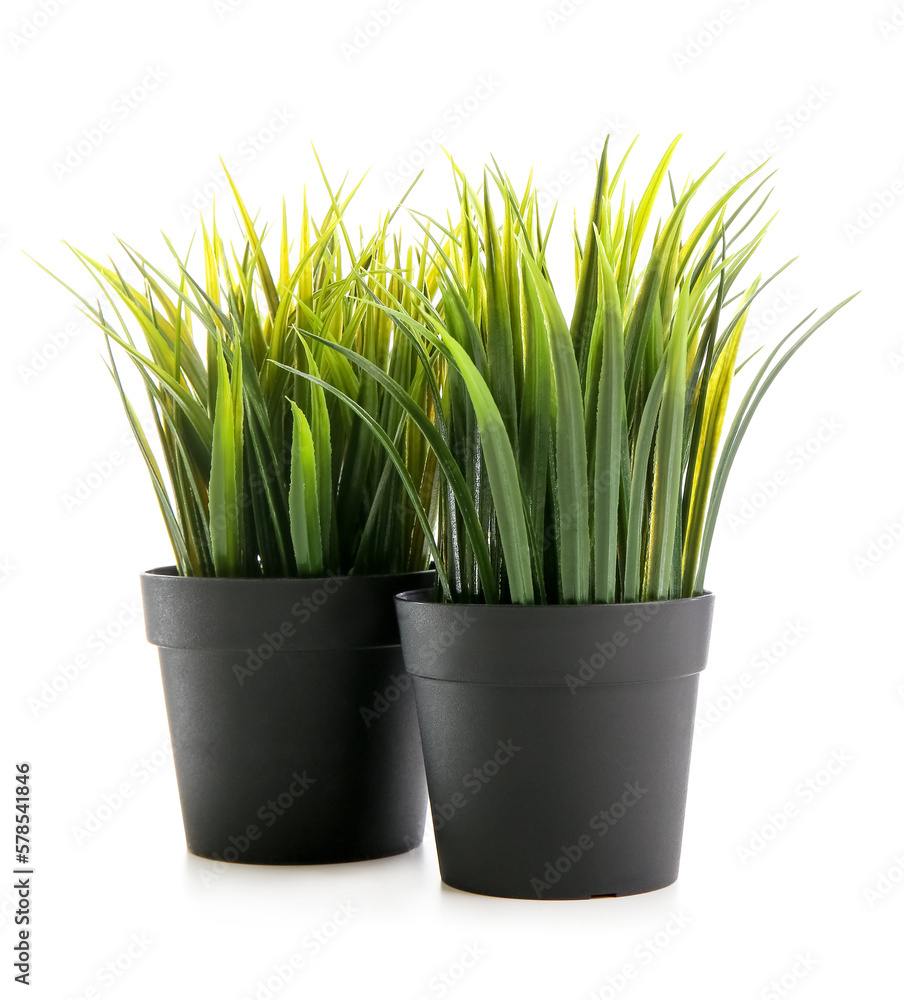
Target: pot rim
<point>172,572</point>
<point>428,596</point>
<point>291,614</point>
<point>575,646</point>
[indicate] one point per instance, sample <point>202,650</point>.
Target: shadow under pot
<point>557,740</point>
<point>292,721</point>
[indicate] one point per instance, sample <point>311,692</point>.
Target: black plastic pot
<point>557,740</point>
<point>293,724</point>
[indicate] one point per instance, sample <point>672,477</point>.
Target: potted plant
<point>276,629</point>
<point>556,671</point>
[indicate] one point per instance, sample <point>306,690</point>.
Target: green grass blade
<point>500,355</point>
<point>505,483</point>
<point>571,449</point>
<point>641,459</point>
<point>399,464</point>
<point>225,475</point>
<point>610,433</point>
<point>668,457</point>
<point>304,504</point>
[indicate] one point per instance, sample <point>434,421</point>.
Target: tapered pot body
<point>557,740</point>
<point>292,721</point>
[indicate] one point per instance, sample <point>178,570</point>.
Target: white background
<point>784,567</point>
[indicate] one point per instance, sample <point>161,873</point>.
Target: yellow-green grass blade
<point>642,347</point>
<point>645,205</point>
<point>587,295</point>
<point>695,401</point>
<point>716,236</point>
<point>284,285</point>
<point>623,271</point>
<point>714,409</point>
<point>710,215</point>
<point>211,277</point>
<point>267,282</point>
<point>159,333</point>
<point>613,184</point>
<point>168,332</point>
<point>193,410</point>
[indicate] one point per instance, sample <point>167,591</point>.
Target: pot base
<point>634,890</point>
